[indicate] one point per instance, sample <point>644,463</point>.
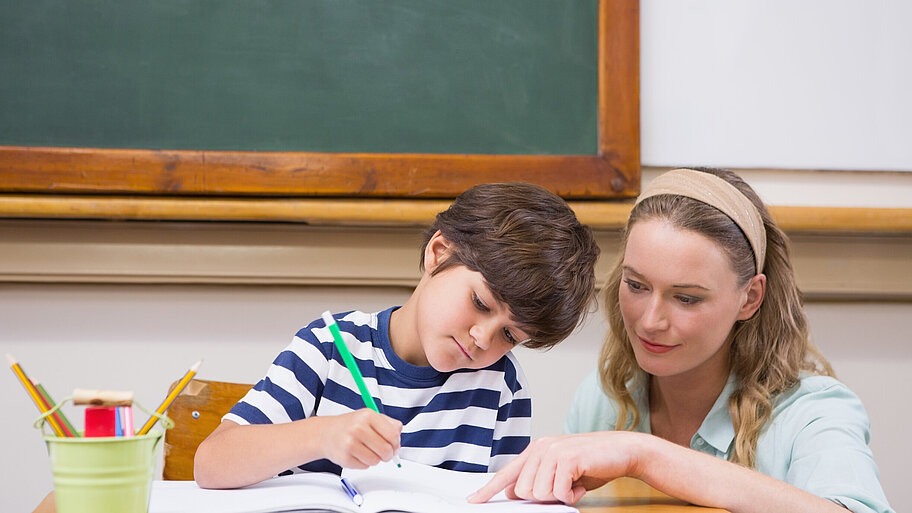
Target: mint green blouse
<point>816,440</point>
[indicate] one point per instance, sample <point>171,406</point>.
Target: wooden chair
<point>196,412</point>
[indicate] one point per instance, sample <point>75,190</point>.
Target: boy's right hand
<point>359,439</point>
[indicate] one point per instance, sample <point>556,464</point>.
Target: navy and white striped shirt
<point>467,420</point>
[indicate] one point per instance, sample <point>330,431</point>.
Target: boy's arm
<point>259,438</point>
<point>237,455</point>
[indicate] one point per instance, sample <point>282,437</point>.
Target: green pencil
<point>50,403</point>
<point>352,367</point>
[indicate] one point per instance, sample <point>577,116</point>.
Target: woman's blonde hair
<point>767,351</point>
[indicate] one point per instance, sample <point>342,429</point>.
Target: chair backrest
<point>196,412</point>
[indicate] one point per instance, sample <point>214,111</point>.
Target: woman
<point>707,388</point>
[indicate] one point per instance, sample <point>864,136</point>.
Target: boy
<point>504,265</point>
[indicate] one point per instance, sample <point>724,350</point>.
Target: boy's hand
<point>359,439</point>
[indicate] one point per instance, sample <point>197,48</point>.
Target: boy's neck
<point>404,337</point>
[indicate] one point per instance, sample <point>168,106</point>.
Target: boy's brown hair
<point>531,250</point>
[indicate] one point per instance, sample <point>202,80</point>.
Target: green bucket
<point>103,473</point>
<point>106,473</point>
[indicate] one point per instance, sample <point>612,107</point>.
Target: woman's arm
<point>563,468</point>
<point>237,455</point>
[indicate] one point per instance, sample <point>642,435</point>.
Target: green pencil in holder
<point>102,473</point>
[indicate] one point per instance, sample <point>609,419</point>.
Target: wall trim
<point>387,212</point>
<point>828,266</point>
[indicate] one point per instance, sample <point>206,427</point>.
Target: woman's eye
<point>688,300</point>
<point>634,285</point>
<point>478,304</point>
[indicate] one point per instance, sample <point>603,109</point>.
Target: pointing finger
<point>503,478</point>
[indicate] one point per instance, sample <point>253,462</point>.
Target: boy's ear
<point>435,252</point>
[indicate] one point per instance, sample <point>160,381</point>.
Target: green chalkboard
<point>375,76</point>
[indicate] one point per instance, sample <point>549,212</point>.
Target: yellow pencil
<point>170,399</point>
<point>36,397</point>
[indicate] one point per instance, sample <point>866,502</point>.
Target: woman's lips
<point>655,348</point>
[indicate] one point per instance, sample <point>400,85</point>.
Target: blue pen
<point>352,492</point>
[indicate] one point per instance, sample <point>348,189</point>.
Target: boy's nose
<point>481,335</point>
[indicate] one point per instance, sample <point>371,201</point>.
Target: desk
<point>628,495</point>
<point>625,495</point>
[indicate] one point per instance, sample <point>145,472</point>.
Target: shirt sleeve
<point>293,383</point>
<point>830,453</point>
<point>591,410</point>
<point>513,427</point>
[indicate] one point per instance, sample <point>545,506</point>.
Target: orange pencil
<point>170,399</point>
<point>36,397</point>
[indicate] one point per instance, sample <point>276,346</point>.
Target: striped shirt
<point>473,420</point>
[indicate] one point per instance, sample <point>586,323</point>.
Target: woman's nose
<point>654,317</point>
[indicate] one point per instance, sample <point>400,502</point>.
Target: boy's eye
<point>509,336</point>
<point>478,303</point>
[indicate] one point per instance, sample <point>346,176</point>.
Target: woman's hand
<point>563,468</point>
<point>359,439</point>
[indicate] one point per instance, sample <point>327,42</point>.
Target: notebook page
<point>418,488</point>
<point>414,488</point>
<point>297,491</point>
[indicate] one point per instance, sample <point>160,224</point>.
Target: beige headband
<point>716,192</point>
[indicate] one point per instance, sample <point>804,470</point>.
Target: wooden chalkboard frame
<point>614,172</point>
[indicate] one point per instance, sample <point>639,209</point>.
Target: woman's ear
<point>756,291</point>
<point>438,247</point>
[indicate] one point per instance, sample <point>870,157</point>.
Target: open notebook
<point>414,488</point>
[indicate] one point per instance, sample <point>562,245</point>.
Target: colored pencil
<point>58,415</point>
<point>170,399</point>
<point>27,383</point>
<point>352,367</point>
<point>118,421</point>
<point>128,420</point>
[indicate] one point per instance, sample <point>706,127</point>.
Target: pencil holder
<point>102,473</point>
